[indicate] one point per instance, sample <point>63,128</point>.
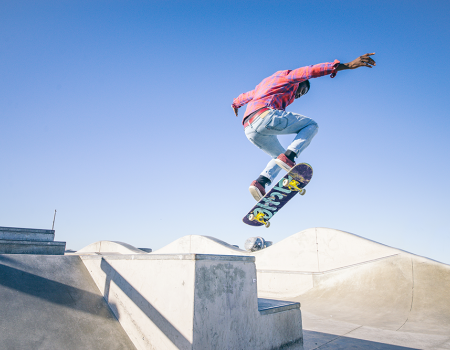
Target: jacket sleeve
<point>318,70</point>
<point>242,99</point>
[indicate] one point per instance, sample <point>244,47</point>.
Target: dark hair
<point>308,84</point>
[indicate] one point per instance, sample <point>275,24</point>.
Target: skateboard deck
<point>281,193</point>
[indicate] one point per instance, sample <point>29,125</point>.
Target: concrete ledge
<point>211,257</point>
<point>270,306</point>
<point>26,234</point>
<point>31,247</point>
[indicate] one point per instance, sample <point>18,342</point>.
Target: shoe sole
<point>255,192</point>
<point>283,165</point>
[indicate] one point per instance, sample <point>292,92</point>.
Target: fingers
<point>367,60</point>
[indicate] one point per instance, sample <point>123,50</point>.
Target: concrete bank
<point>52,303</point>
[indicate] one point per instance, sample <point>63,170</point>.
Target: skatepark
<point>316,289</point>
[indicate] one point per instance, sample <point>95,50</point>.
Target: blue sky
<point>117,114</point>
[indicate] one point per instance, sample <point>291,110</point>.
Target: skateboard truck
<point>260,218</point>
<point>293,186</point>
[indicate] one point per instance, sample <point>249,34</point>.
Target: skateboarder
<point>265,117</point>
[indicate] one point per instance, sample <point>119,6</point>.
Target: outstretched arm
<point>241,100</point>
<point>361,61</point>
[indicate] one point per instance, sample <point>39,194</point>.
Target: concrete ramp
<point>104,247</point>
<point>354,292</point>
<point>51,302</point>
<point>399,293</point>
<point>195,244</point>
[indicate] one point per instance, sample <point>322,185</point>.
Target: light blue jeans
<point>263,134</point>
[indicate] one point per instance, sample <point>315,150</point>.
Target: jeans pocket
<point>277,123</point>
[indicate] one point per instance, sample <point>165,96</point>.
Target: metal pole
<point>54,217</point>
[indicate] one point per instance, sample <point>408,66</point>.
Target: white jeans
<point>263,132</point>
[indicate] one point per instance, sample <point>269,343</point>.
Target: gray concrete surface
<point>354,292</point>
<point>193,301</point>
<point>16,240</point>
<point>26,234</point>
<point>52,303</point>
<point>32,247</point>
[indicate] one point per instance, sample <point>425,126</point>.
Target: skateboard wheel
<point>303,191</point>
<point>285,182</point>
<point>267,224</point>
<point>251,217</point>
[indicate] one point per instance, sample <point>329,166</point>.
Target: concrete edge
<point>4,241</point>
<point>273,306</point>
<point>169,257</point>
<point>327,271</point>
<point>114,247</point>
<point>26,230</point>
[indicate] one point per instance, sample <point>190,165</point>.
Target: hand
<point>235,110</point>
<point>361,61</point>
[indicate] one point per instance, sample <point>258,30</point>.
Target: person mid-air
<point>265,116</point>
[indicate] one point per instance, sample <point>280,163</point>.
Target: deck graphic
<point>279,195</point>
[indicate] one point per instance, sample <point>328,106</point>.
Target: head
<point>302,89</point>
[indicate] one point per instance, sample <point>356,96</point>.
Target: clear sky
<point>117,114</point>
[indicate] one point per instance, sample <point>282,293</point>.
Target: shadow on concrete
<point>51,302</point>
<point>51,291</point>
<point>324,341</point>
<point>8,260</point>
<point>147,308</point>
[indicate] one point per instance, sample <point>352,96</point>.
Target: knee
<point>313,128</point>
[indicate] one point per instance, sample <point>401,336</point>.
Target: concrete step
<point>271,306</point>
<point>26,234</point>
<point>32,247</point>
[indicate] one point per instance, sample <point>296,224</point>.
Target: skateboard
<point>289,185</point>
